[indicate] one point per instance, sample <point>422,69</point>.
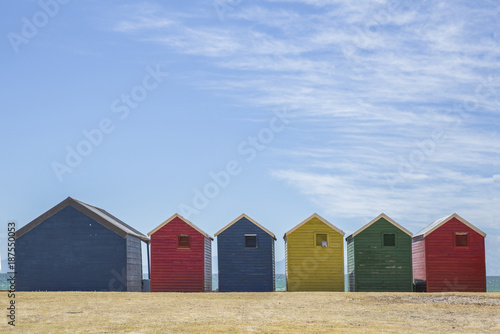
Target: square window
<point>251,240</point>
<point>322,240</point>
<point>183,240</point>
<point>389,240</point>
<point>461,240</point>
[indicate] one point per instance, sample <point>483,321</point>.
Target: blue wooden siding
<point>243,268</point>
<point>70,251</point>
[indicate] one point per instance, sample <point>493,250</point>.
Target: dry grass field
<point>278,312</point>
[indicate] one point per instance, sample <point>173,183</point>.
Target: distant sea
<point>492,282</point>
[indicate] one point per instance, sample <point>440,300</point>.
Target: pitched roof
<point>323,220</point>
<point>184,220</point>
<point>250,219</point>
<point>441,221</point>
<point>382,215</point>
<point>99,215</point>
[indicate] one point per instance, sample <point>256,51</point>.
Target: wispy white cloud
<point>144,16</point>
<point>365,194</point>
<point>142,24</point>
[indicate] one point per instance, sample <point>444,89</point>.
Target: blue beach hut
<point>78,247</point>
<point>246,256</point>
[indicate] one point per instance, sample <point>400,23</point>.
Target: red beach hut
<point>181,257</point>
<point>448,255</point>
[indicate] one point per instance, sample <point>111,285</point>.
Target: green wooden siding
<point>375,267</point>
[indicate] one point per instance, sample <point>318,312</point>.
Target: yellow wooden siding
<point>310,267</point>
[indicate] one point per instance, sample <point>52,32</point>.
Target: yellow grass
<point>278,312</point>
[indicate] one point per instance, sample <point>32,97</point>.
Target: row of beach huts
<point>79,247</point>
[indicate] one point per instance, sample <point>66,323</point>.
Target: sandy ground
<point>278,312</point>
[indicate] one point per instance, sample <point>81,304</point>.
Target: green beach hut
<point>379,257</point>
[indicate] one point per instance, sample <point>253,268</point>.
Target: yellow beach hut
<point>314,255</point>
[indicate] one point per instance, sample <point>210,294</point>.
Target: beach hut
<point>448,255</point>
<point>246,256</point>
<point>78,247</point>
<point>314,253</point>
<point>379,257</point>
<point>181,257</point>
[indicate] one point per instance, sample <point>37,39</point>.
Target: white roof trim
<point>323,220</point>
<point>439,222</point>
<point>382,215</point>
<point>250,219</point>
<point>176,215</point>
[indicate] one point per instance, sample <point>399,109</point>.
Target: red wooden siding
<point>451,268</point>
<point>177,269</point>
<point>418,258</point>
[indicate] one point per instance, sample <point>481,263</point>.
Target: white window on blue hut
<point>321,240</point>
<point>251,240</point>
<point>183,241</point>
<point>389,240</point>
<point>461,239</point>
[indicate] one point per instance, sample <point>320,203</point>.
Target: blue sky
<point>334,107</point>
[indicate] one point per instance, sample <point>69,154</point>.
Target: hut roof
<point>315,215</point>
<point>250,219</point>
<point>437,223</point>
<point>176,215</point>
<point>99,215</point>
<point>382,215</point>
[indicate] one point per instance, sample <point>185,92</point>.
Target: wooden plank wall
<point>134,264</point>
<point>208,264</point>
<point>418,258</point>
<point>381,268</point>
<point>286,263</point>
<point>245,269</point>
<point>350,265</point>
<point>274,268</point>
<point>451,268</point>
<point>176,269</point>
<point>311,267</point>
<point>71,252</point>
